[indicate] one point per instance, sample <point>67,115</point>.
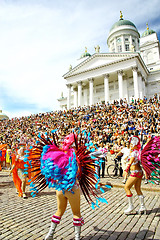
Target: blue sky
<point>41,38</point>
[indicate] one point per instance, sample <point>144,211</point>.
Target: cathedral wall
<point>153,84</point>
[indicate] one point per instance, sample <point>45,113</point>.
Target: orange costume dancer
<point>19,174</point>
<point>2,155</point>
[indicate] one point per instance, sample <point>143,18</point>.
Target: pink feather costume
<point>60,168</point>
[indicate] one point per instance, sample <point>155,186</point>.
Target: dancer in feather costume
<point>149,158</point>
<point>67,169</point>
<point>20,175</point>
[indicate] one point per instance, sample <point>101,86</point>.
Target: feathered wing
<point>60,170</point>
<point>150,159</point>
<point>87,175</point>
<point>51,167</point>
<point>33,155</point>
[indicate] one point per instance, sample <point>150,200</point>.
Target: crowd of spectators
<point>110,125</point>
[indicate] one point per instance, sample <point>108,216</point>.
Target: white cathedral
<point>131,69</point>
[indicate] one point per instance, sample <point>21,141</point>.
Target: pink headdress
<point>68,141</point>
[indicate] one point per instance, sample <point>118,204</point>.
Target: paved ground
<point>30,218</point>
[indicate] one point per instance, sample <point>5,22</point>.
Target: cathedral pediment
<point>97,61</point>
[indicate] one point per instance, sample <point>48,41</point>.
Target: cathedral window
<point>127,47</point>
<point>119,48</point>
<point>126,39</point>
<point>118,40</point>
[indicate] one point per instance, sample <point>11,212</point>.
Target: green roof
<point>122,22</point>
<point>147,32</point>
<point>85,54</point>
<point>3,116</point>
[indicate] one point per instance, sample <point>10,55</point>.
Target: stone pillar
<point>137,45</point>
<point>144,86</point>
<point>135,81</point>
<point>106,88</point>
<point>85,96</point>
<point>69,96</point>
<point>115,45</point>
<point>91,91</point>
<point>120,83</point>
<point>123,44</point>
<point>75,97</point>
<point>130,43</point>
<point>79,93</point>
<point>140,85</point>
<point>125,91</point>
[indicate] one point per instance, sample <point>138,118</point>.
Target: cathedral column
<point>123,45</point>
<point>91,91</point>
<point>115,45</point>
<point>144,86</point>
<point>125,87</point>
<point>79,93</point>
<point>135,81</point>
<point>106,88</point>
<point>69,96</point>
<point>130,43</point>
<point>85,96</point>
<point>137,45</point>
<point>120,83</point>
<point>140,85</point>
<point>75,97</point>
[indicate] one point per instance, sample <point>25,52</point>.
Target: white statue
<point>70,67</point>
<point>132,48</point>
<point>97,48</point>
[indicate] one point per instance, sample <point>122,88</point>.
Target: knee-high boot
<point>55,221</point>
<point>77,222</point>
<point>142,208</point>
<point>130,208</point>
<point>77,230</point>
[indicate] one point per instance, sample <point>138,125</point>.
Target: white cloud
<point>40,39</point>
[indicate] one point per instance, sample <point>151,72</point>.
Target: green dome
<point>85,54</point>
<point>3,116</point>
<point>147,32</point>
<point>122,22</point>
